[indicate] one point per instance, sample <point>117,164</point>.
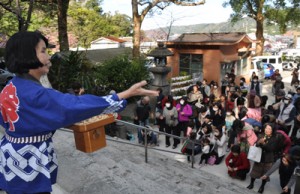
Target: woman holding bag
<point>268,144</point>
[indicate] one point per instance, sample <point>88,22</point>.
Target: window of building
<point>190,64</point>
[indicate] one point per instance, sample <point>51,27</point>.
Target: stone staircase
<point>120,168</point>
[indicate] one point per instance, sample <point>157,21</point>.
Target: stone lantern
<point>160,71</point>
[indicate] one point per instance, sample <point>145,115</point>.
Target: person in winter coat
<point>229,119</point>
<point>237,163</point>
<point>286,166</point>
<point>295,76</point>
<point>286,113</point>
<point>277,85</point>
<point>217,114</point>
<point>267,142</point>
<point>170,116</point>
<point>184,112</point>
<point>246,136</point>
<point>219,140</point>
<point>256,85</point>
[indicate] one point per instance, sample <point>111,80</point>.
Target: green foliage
<point>88,25</point>
<point>94,5</point>
<point>120,73</point>
<point>72,67</point>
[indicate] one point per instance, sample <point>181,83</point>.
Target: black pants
<point>204,157</point>
<point>176,131</point>
<point>283,182</point>
<point>169,130</point>
<point>182,126</point>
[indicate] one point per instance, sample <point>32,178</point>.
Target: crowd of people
<point>222,122</point>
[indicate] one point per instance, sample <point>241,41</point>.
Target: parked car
<point>5,76</point>
<point>269,70</point>
<point>288,66</point>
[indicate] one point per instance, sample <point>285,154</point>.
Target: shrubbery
<point>116,74</point>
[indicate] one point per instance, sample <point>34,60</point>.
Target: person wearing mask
<point>170,116</point>
<point>267,141</point>
<point>184,112</point>
<point>244,86</point>
<point>219,140</point>
<point>256,85</point>
<point>217,114</point>
<point>286,113</point>
<point>237,163</point>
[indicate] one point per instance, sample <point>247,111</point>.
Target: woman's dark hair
<point>20,52</point>
<point>236,149</point>
<point>272,126</point>
<point>191,124</point>
<point>193,135</point>
<point>238,125</point>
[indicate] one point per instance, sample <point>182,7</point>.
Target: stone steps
<point>120,168</point>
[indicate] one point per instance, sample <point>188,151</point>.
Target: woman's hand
<point>263,177</point>
<point>137,90</point>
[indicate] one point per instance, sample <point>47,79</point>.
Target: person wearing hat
<point>286,113</point>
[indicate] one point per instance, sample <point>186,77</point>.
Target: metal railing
<point>149,128</point>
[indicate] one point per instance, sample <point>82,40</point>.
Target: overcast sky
<point>211,12</point>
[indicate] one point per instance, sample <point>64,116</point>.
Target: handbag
<point>211,160</point>
<point>254,153</point>
<point>184,147</point>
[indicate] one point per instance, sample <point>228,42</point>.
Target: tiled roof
<point>115,39</point>
<point>211,38</point>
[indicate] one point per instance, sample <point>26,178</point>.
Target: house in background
<point>210,55</point>
<point>107,42</point>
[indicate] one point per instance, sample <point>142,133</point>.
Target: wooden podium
<point>90,134</point>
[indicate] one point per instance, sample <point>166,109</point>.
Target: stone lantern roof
<point>160,51</point>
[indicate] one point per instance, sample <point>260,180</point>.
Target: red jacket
<point>240,162</point>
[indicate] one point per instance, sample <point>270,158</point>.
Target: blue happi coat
<point>30,110</point>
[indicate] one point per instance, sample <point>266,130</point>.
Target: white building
<point>107,42</point>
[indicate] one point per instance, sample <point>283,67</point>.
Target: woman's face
<point>195,88</point>
<point>44,58</point>
<point>268,130</point>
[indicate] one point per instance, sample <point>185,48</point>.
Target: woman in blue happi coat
<point>31,113</point>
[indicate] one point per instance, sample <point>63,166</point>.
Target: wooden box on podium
<point>90,134</point>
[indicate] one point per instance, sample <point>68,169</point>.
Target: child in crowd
<point>205,151</point>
